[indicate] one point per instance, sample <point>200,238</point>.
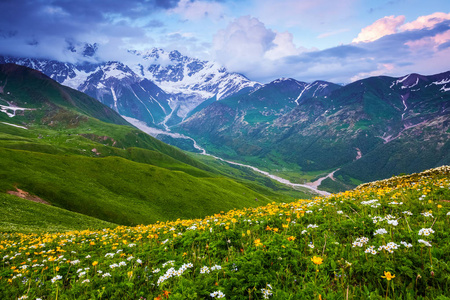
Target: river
<point>155,132</point>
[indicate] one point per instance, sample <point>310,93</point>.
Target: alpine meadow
<point>220,149</point>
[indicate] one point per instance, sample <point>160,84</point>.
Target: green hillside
<point>383,240</point>
<point>20,215</point>
<point>57,151</point>
<point>370,129</point>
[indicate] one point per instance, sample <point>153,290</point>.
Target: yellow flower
<point>95,263</point>
<point>291,238</point>
<point>439,206</point>
<point>317,260</point>
<point>388,275</point>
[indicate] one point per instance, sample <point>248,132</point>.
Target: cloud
<point>331,33</point>
<point>196,10</point>
<point>37,28</point>
<point>426,21</point>
<point>382,27</point>
<point>392,55</point>
<point>246,45</point>
<point>391,25</point>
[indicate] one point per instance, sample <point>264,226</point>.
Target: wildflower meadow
<point>388,239</point>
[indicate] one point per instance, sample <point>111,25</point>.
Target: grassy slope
<point>119,190</point>
<point>20,215</point>
<point>309,249</point>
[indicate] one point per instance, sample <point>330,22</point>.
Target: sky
<point>335,40</point>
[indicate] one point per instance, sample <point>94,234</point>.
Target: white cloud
<point>382,27</point>
<point>246,45</point>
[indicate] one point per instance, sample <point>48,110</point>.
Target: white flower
<point>304,231</point>
<point>311,245</point>
<point>396,203</point>
<point>170,262</point>
<point>122,263</point>
<point>266,293</point>
<point>216,267</point>
<point>139,261</point>
<point>204,270</point>
<point>380,231</point>
<point>311,226</point>
<point>426,243</point>
<point>369,202</point>
<point>217,294</point>
<point>407,212</point>
<point>426,231</point>
<point>109,255</point>
<point>86,281</point>
<point>88,256</point>
<point>74,262</point>
<point>106,275</point>
<point>427,214</point>
<point>371,250</point>
<point>339,212</point>
<point>407,245</point>
<point>57,277</point>
<point>393,222</point>
<point>156,270</point>
<point>113,266</point>
<point>359,242</point>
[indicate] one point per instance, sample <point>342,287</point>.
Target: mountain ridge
<point>179,83</point>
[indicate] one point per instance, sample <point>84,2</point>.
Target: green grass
<point>336,247</point>
<point>118,190</point>
<point>20,215</point>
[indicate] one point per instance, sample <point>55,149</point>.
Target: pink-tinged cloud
<point>428,43</point>
<point>382,27</point>
<point>391,25</point>
<point>426,21</point>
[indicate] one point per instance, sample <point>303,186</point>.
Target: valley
<point>294,130</point>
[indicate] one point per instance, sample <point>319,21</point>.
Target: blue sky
<point>339,41</point>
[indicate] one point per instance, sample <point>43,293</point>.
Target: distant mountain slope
<point>372,129</point>
<point>52,146</point>
<point>160,89</point>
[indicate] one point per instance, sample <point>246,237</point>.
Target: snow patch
<point>18,126</point>
<point>7,109</point>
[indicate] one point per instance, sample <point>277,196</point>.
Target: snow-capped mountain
<point>160,89</point>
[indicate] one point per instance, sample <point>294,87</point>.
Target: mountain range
<point>159,87</point>
<point>370,129</point>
